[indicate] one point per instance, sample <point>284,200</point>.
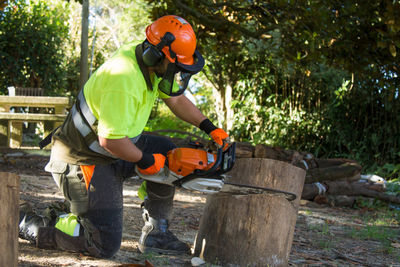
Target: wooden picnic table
<point>52,113</point>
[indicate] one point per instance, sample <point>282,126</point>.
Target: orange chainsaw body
<point>184,161</point>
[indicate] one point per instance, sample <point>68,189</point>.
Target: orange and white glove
<point>219,136</point>
<point>151,163</point>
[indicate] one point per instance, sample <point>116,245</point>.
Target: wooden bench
<point>25,91</point>
<point>11,123</point>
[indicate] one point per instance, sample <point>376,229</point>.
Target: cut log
<point>244,150</point>
<point>336,200</point>
<point>317,169</point>
<point>325,163</point>
<point>349,171</point>
<point>9,210</point>
<point>359,189</point>
<point>310,191</point>
<point>277,153</point>
<point>252,230</point>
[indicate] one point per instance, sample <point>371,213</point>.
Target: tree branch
<point>217,22</point>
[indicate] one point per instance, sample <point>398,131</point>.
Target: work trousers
<point>100,207</point>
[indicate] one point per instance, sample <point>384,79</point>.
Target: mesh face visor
<point>181,74</point>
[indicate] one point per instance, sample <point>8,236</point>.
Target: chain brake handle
<point>224,162</point>
<point>225,144</point>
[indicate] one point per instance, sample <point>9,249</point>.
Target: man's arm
<point>122,148</point>
<point>184,109</point>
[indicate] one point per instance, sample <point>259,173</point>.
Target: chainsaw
<point>202,170</point>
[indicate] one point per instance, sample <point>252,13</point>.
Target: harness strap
<point>83,119</point>
<point>85,110</point>
<point>47,140</point>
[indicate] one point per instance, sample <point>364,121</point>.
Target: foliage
<point>310,75</point>
<point>113,23</point>
<point>32,35</point>
<point>393,187</point>
<point>162,119</point>
<point>353,35</point>
<point>289,115</point>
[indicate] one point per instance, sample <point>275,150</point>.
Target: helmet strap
<point>153,54</point>
<point>167,40</point>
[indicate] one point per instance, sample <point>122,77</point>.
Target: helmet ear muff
<point>151,55</point>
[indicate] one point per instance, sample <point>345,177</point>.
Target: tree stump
<point>252,230</point>
<point>9,214</point>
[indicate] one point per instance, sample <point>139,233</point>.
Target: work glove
<point>220,137</point>
<point>151,163</point>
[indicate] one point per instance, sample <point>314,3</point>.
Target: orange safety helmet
<point>184,45</point>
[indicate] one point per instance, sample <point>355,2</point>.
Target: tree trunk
<point>223,101</point>
<point>252,230</point>
<point>219,106</point>
<point>84,43</point>
<point>9,210</point>
<point>228,109</point>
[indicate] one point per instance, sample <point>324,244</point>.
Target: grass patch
<point>378,228</point>
<point>375,232</point>
<point>325,240</point>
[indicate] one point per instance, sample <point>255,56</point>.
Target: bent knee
<point>110,244</point>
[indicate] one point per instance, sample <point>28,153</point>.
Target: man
<point>100,143</point>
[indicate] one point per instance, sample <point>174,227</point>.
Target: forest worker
<point>90,163</point>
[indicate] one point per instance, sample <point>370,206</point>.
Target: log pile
<point>336,182</point>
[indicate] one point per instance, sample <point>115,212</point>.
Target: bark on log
<point>252,230</point>
<point>317,169</point>
<point>244,150</point>
<point>336,200</point>
<point>310,191</point>
<point>359,189</point>
<point>345,171</point>
<point>291,156</point>
<point>9,214</point>
<point>326,163</point>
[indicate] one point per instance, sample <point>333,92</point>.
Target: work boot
<point>29,223</point>
<point>157,238</point>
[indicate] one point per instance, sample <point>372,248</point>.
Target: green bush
<point>32,37</point>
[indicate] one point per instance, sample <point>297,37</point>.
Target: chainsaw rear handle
<point>223,158</point>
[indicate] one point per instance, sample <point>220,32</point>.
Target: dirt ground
<point>324,236</point>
